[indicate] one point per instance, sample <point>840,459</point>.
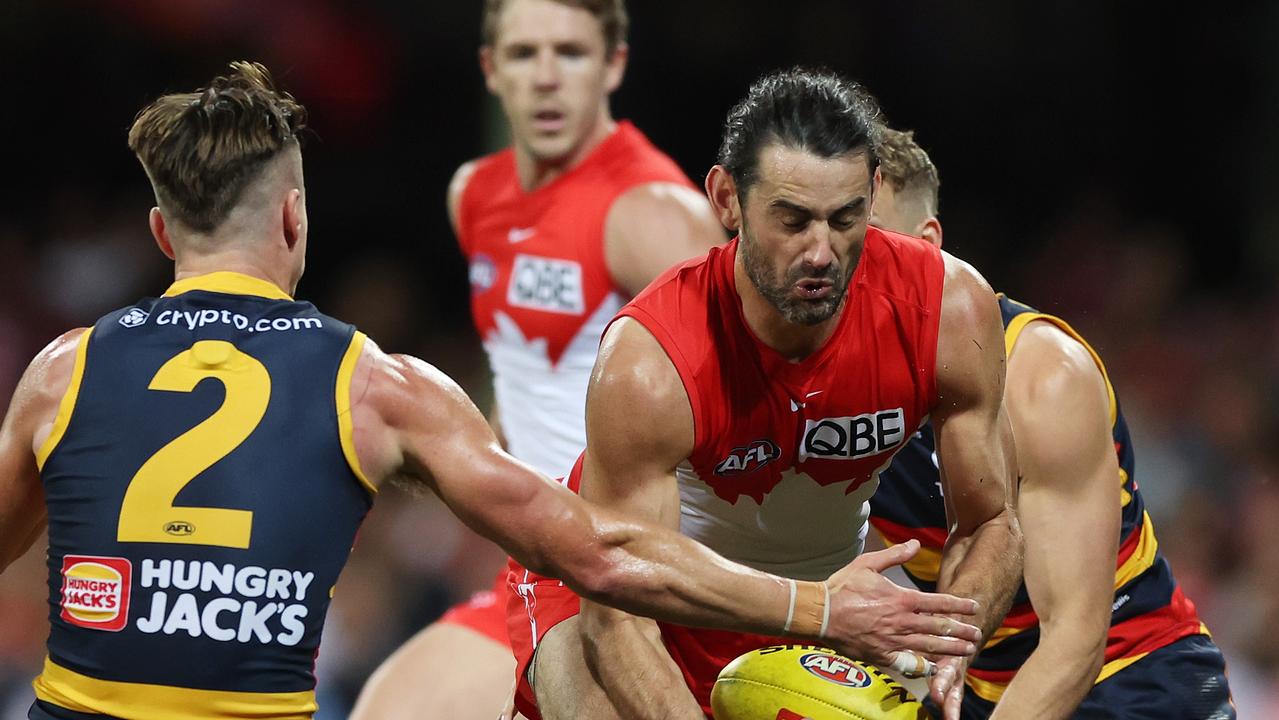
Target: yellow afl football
<point>795,682</point>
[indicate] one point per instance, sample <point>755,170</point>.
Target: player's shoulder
<point>659,209</point>
<point>478,173</point>
<point>1048,365</point>
<point>49,374</point>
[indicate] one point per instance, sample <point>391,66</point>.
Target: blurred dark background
<point>1109,162</point>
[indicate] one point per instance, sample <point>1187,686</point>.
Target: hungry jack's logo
<point>95,591</point>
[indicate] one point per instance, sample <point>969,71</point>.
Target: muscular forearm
<point>985,566</point>
<point>1056,677</point>
<point>626,655</point>
<point>647,570</point>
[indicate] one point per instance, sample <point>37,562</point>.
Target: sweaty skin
<point>547,57</point>
<point>1059,405</point>
<point>639,427</point>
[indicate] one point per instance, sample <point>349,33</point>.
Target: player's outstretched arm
<point>1060,407</point>
<point>983,554</point>
<point>651,227</point>
<point>412,422</point>
<point>27,426</point>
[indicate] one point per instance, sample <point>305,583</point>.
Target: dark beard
<point>778,294</point>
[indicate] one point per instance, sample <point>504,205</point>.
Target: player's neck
<point>535,173</point>
<point>792,341</point>
<point>189,265</point>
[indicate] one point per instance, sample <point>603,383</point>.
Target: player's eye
<point>571,50</point>
<point>520,52</point>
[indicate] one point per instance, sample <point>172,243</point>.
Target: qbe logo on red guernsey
<point>95,591</point>
<point>836,669</point>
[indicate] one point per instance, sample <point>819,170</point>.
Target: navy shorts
<point>1185,680</point>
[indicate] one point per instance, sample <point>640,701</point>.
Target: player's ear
<point>930,230</point>
<point>487,68</point>
<point>722,191</point>
<point>160,232</point>
<point>616,67</point>
<point>294,220</point>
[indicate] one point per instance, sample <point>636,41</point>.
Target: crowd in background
<point>1150,232</point>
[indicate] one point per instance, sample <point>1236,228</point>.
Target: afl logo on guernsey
<point>134,318</point>
<point>749,458</point>
<point>483,273</point>
<point>836,669</point>
<point>179,528</point>
<point>95,591</point>
<point>548,284</point>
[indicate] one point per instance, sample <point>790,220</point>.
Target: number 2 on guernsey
<point>148,513</point>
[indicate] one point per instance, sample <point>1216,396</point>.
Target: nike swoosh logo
<point>518,235</point>
<point>815,392</point>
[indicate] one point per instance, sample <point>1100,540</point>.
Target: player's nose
<point>546,71</point>
<point>819,253</point>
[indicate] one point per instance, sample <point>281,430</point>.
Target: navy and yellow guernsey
<point>1149,609</point>
<point>203,496</point>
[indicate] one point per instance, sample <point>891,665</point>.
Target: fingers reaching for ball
<point>912,665</point>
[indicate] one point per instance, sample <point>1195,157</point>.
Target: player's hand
<point>946,686</point>
<point>874,619</point>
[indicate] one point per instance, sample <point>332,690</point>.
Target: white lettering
<point>191,579</point>
<point>185,616</point>
<point>157,574</point>
<point>223,577</point>
<point>302,581</point>
<point>277,584</point>
<point>291,619</point>
<point>209,618</point>
<point>250,581</point>
<point>153,623</point>
<point>253,621</point>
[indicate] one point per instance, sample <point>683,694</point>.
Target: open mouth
<point>548,121</point>
<point>814,289</point>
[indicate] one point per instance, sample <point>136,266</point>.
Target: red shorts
<point>484,612</point>
<point>536,604</point>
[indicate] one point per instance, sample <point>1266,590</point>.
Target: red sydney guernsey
<point>541,292</point>
<point>786,454</point>
<point>541,296</point>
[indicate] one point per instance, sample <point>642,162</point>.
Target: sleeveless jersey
<point>1150,610</point>
<point>786,454</point>
<point>541,292</point>
<point>203,495</point>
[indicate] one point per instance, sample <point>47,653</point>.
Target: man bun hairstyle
<point>611,13</point>
<point>907,168</point>
<point>815,110</point>
<point>202,149</point>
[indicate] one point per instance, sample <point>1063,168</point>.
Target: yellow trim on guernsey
<point>230,283</point>
<point>1019,323</point>
<point>346,371</point>
<point>1143,556</point>
<point>992,692</point>
<point>67,406</point>
<point>80,693</point>
<point>985,690</point>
